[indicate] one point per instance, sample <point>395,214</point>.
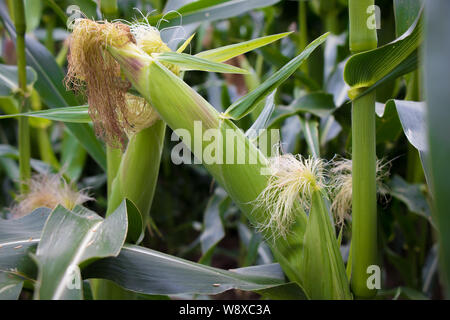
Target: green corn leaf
<point>365,70</point>
<point>136,268</point>
<point>9,104</point>
<point>8,79</point>
<point>176,4</point>
<point>135,231</point>
<point>227,52</point>
<point>67,114</point>
<point>437,69</point>
<point>402,292</point>
<point>388,126</point>
<point>406,12</point>
<point>246,236</point>
<point>78,236</point>
<point>33,14</point>
<point>188,62</point>
<point>320,104</point>
<point>208,10</point>
<point>50,87</point>
<point>429,269</point>
<point>17,238</point>
<point>185,44</point>
<point>406,66</point>
<point>247,103</point>
<point>311,131</point>
<point>12,152</point>
<point>412,116</point>
<point>10,286</point>
<point>73,156</point>
<point>213,230</point>
<point>412,196</point>
<point>263,118</point>
<point>288,291</point>
<point>151,272</point>
<point>329,129</point>
<point>278,60</point>
<point>14,232</point>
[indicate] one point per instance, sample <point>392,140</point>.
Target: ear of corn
<point>243,182</point>
<point>138,170</point>
<point>324,274</point>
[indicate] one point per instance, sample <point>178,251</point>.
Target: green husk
<point>138,171</point>
<point>243,182</point>
<point>322,268</point>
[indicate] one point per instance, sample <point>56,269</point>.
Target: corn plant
<point>97,205</point>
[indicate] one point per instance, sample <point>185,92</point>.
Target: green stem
<point>332,22</point>
<point>364,210</point>
<point>362,38</point>
<point>49,27</point>
<point>303,32</point>
<point>45,149</point>
<point>24,129</point>
<point>364,215</point>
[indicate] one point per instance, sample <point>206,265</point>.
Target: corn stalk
<point>364,210</point>
<point>24,128</point>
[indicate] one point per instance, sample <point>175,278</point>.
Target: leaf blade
<point>247,103</point>
<point>227,52</point>
<point>190,63</point>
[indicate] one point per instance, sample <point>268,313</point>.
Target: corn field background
<point>100,108</point>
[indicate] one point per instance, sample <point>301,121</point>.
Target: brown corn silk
<point>94,72</point>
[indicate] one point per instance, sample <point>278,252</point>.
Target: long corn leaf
<point>137,268</point>
<point>367,69</point>
<point>247,103</point>
<point>148,271</point>
<point>77,236</point>
<point>208,10</point>
<point>412,117</point>
<point>227,52</point>
<point>188,62</point>
<point>437,70</point>
<point>10,286</point>
<point>77,114</point>
<point>406,12</point>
